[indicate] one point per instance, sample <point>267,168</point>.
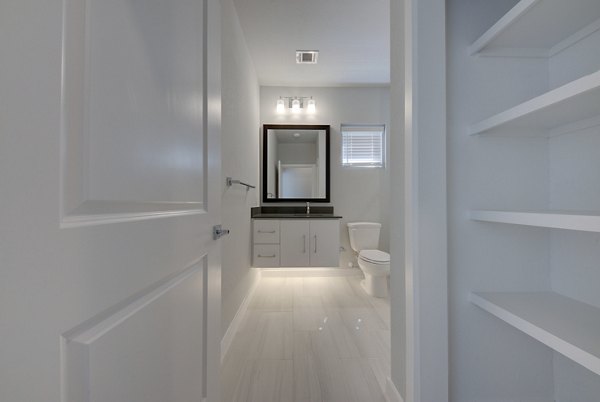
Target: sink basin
<point>315,215</point>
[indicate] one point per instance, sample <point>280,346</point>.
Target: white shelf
<point>569,327</point>
<point>575,101</point>
<point>539,28</point>
<point>583,221</point>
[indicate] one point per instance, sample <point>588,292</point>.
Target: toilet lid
<point>375,256</point>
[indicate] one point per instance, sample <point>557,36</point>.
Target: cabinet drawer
<point>266,255</point>
<point>266,232</point>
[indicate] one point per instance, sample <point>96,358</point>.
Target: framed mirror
<point>295,163</point>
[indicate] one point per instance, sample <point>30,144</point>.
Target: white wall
<point>240,149</point>
<point>489,360</point>
<point>356,194</point>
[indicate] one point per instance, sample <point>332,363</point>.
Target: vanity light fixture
<point>296,104</point>
<point>311,106</point>
<point>280,105</point>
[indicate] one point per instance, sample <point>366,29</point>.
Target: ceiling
<point>352,36</point>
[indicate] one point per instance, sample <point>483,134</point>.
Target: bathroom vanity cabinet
<point>296,242</point>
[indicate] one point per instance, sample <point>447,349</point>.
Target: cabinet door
<point>294,243</point>
<point>324,243</point>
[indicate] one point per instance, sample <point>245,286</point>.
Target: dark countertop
<point>277,212</point>
<point>296,216</point>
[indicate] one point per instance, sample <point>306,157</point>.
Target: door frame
<point>419,241</point>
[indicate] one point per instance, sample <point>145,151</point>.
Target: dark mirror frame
<point>266,128</point>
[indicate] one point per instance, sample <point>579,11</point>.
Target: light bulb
<point>296,105</point>
<point>280,106</point>
<point>311,106</point>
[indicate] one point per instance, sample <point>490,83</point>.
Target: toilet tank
<point>364,235</point>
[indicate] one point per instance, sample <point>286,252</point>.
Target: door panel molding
<point>100,212</point>
<point>133,151</point>
<point>84,349</point>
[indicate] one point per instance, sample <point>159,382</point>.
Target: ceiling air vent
<point>307,56</point>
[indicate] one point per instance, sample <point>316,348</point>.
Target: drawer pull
<point>266,231</point>
<point>267,256</point>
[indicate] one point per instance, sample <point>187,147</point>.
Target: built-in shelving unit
<point>569,327</point>
<point>544,29</point>
<point>575,101</point>
<point>583,221</point>
<point>539,28</point>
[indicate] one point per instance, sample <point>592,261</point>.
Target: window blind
<point>363,145</point>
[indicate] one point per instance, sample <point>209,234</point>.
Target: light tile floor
<point>307,339</point>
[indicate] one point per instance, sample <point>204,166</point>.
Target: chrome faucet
<point>307,208</point>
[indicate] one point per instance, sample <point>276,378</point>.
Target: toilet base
<point>376,286</point>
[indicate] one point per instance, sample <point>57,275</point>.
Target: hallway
<point>307,338</point>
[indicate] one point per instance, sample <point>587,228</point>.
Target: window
<point>363,146</point>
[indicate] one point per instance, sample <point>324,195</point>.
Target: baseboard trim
<point>391,392</point>
<point>239,315</point>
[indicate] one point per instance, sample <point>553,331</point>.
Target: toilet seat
<point>374,257</point>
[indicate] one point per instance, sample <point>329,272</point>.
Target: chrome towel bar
<point>230,181</point>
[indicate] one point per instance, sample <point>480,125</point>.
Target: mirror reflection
<point>296,163</point>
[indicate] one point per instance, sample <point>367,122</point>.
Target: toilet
<point>375,264</point>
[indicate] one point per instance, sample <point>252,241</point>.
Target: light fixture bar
<point>296,104</point>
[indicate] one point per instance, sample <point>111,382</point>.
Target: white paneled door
<point>109,191</point>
